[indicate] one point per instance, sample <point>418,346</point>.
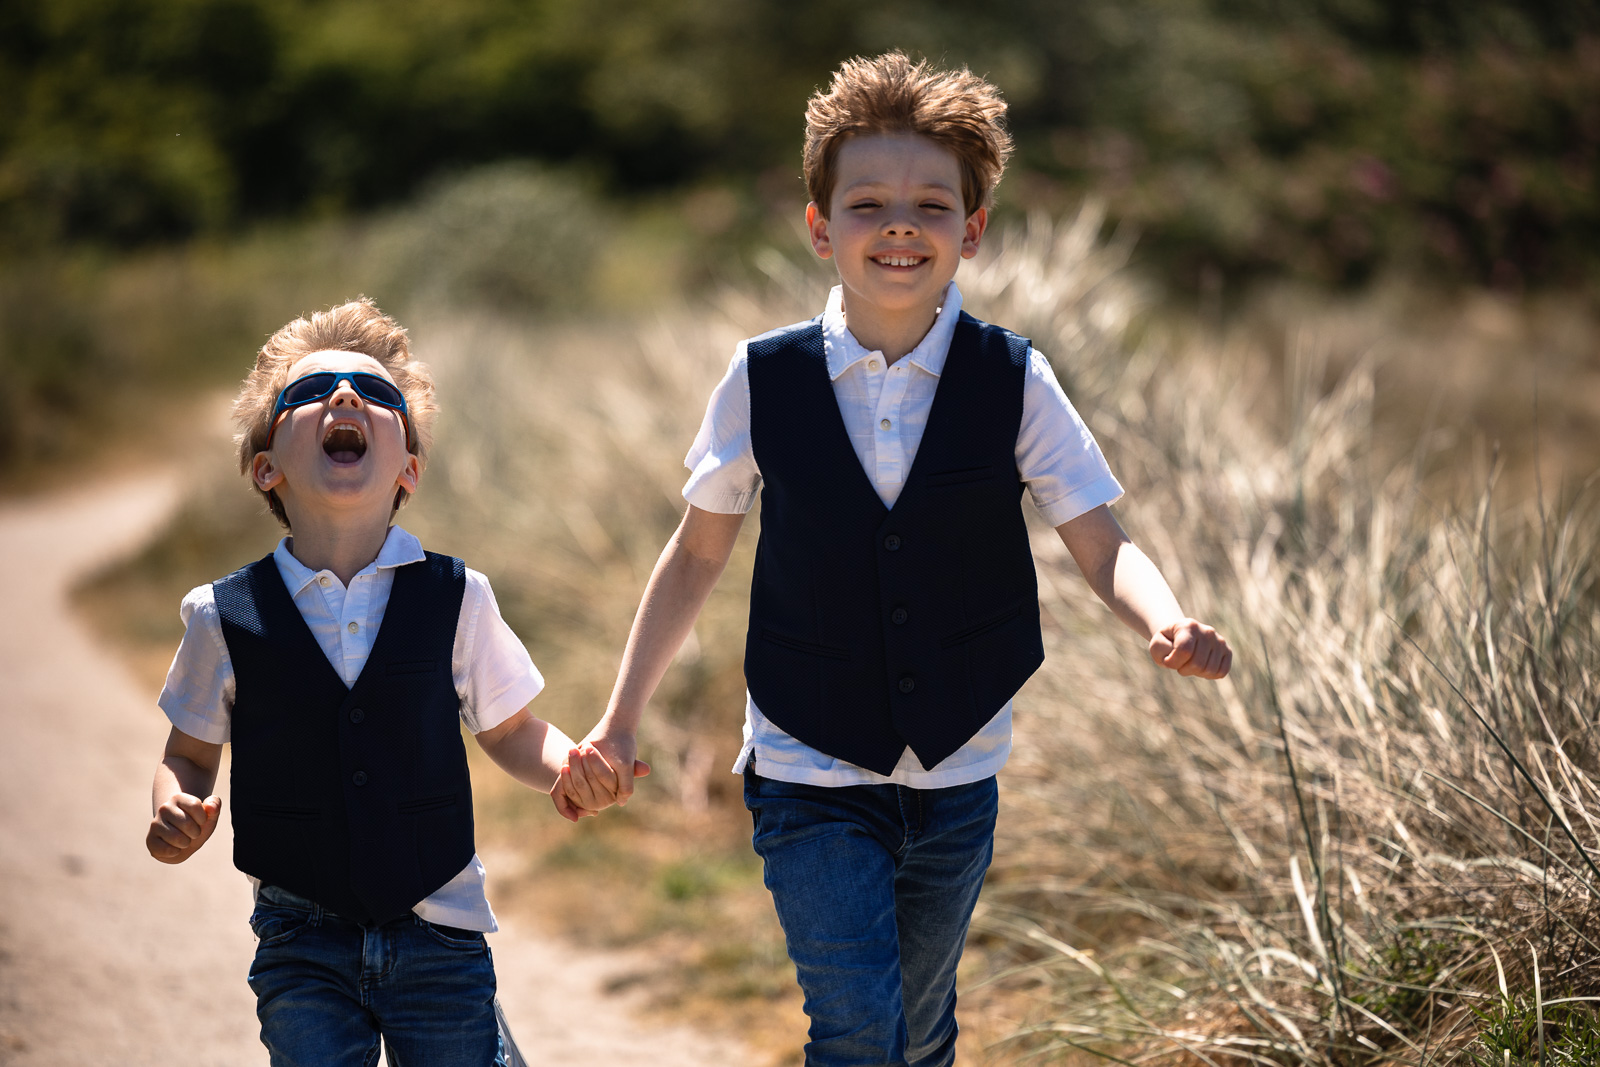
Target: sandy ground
<point>108,957</point>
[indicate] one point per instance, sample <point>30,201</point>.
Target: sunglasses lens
<point>379,390</point>
<point>304,390</point>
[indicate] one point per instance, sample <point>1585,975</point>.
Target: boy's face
<point>340,455</point>
<point>897,227</point>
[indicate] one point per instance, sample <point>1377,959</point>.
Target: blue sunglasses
<point>373,388</point>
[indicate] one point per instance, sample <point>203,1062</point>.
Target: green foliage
<point>1328,138</point>
<point>1571,1034</point>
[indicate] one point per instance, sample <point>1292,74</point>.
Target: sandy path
<point>107,957</point>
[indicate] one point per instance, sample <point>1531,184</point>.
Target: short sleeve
<point>494,675</point>
<point>1057,457</point>
<point>723,474</point>
<point>198,695</point>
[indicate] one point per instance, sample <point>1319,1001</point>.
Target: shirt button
<point>353,627</point>
<point>872,364</point>
<point>885,423</point>
<point>323,580</point>
<point>898,616</point>
<point>892,542</point>
<point>360,777</point>
<point>907,684</point>
<point>356,715</point>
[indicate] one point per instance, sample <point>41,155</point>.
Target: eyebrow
<point>866,184</point>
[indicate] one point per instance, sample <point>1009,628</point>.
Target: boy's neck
<point>893,332</point>
<point>343,547</point>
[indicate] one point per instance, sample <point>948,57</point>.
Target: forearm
<point>178,774</point>
<point>1119,573</point>
<point>528,749</point>
<point>188,765</point>
<point>679,586</point>
<point>183,810</point>
<point>1134,590</point>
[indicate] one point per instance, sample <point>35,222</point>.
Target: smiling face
<point>896,228</point>
<point>340,455</point>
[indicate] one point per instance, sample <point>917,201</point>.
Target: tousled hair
<point>355,326</point>
<point>955,109</point>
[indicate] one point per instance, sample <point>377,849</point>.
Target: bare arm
<point>527,748</point>
<point>683,578</point>
<point>180,821</point>
<point>1131,586</point>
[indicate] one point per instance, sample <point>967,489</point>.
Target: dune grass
<point>1374,844</point>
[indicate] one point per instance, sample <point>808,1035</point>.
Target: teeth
<point>345,427</point>
<point>900,261</point>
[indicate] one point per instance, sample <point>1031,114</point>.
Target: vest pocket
<point>285,811</point>
<point>415,666</point>
<point>983,626</point>
<point>959,476</point>
<point>436,802</point>
<point>808,647</point>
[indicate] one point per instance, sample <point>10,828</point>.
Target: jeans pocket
<point>275,925</point>
<point>454,937</point>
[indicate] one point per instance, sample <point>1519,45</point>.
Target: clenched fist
<point>181,825</point>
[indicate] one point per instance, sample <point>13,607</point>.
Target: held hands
<point>590,782</point>
<point>181,825</point>
<point>1193,649</point>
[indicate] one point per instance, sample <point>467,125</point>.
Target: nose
<point>345,395</point>
<point>899,223</point>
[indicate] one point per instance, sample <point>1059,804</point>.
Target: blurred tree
<point>1329,138</point>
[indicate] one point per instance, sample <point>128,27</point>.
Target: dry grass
<point>1373,845</point>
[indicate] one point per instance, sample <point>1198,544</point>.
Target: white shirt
<point>885,409</point>
<point>494,676</point>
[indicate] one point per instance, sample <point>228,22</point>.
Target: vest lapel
<point>402,594</point>
<point>942,415</point>
<point>816,351</point>
<point>286,623</point>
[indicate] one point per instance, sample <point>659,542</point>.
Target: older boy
<point>341,668</point>
<point>894,610</point>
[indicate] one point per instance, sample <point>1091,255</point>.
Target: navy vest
<point>356,798</point>
<point>874,628</point>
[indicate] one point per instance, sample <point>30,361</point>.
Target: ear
<point>977,222</point>
<point>410,474</point>
<point>265,473</point>
<point>817,227</point>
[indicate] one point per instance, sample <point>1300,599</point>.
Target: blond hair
<point>355,326</point>
<point>955,109</point>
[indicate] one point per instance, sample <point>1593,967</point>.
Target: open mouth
<point>344,443</point>
<point>899,261</point>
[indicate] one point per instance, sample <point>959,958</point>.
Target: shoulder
<point>442,566</point>
<point>199,606</point>
<point>476,592</point>
<point>776,340</point>
<point>235,595</point>
<point>999,342</point>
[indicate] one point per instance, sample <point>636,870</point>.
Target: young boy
<point>893,610</point>
<point>341,667</point>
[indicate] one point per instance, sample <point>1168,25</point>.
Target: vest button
<point>907,684</point>
<point>898,616</point>
<point>892,542</point>
<point>360,777</point>
<point>356,715</point>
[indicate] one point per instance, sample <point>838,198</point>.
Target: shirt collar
<point>844,351</point>
<point>399,548</point>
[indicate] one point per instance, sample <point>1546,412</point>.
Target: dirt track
<point>108,957</point>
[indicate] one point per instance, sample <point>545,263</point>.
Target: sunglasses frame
<point>351,376</point>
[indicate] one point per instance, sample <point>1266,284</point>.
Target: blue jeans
<point>875,886</point>
<point>327,987</point>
